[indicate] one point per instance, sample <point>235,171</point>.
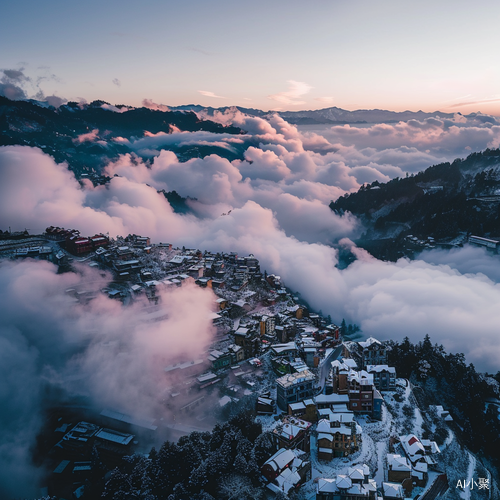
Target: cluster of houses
<point>354,388</point>
<point>316,417</point>
<point>74,242</point>
<point>286,470</point>
<point>352,483</point>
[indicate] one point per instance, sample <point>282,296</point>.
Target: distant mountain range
<point>60,132</point>
<point>332,115</point>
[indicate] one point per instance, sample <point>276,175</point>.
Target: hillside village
<point>343,425</point>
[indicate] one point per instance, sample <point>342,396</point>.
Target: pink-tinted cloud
<point>89,137</point>
<point>286,230</point>
<point>207,93</point>
<point>51,351</point>
<point>292,96</point>
<point>148,103</point>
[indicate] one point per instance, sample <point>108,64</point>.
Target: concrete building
<point>294,387</point>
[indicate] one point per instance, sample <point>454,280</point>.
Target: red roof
<point>412,440</point>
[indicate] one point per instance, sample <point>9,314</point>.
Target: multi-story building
<point>337,439</point>
<point>360,392</point>
<point>267,326</point>
<point>292,433</point>
<point>249,340</point>
<point>294,387</point>
<point>384,377</point>
<point>358,386</point>
<point>374,353</point>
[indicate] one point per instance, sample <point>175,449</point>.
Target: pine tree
<point>343,328</point>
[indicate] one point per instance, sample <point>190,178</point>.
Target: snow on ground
<point>449,439</point>
<point>373,450</point>
<point>465,494</point>
<point>455,460</point>
<point>267,421</point>
<point>382,447</point>
<point>321,468</point>
<point>328,351</point>
<point>417,424</point>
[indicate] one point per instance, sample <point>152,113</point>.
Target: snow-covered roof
<point>114,436</point>
<point>362,377</point>
<point>368,342</point>
<point>412,446</point>
<point>342,430</point>
<point>431,446</point>
<point>323,426</point>
<point>279,348</point>
<point>356,473</point>
<point>287,480</point>
<point>398,463</point>
<point>331,399</point>
<point>343,481</point>
<point>295,378</point>
<point>346,417</point>
<point>265,401</point>
<point>380,368</point>
<point>325,435</point>
<point>420,467</point>
<point>206,377</point>
<point>340,365</point>
<point>224,400</point>
<point>216,354</point>
<point>178,259</point>
<point>350,363</point>
<point>291,427</point>
<point>326,485</point>
<point>392,490</point>
<point>281,458</point>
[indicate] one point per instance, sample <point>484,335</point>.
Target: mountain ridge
<point>444,202</point>
<point>331,115</point>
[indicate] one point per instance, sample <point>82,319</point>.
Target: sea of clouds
<point>274,204</point>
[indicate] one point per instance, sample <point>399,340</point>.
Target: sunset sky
<point>285,55</point>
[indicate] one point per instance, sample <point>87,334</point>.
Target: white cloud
<point>207,93</point>
<point>292,95</point>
